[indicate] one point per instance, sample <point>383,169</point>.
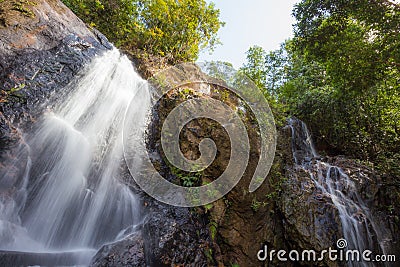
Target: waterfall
<point>359,229</point>
<point>62,192</point>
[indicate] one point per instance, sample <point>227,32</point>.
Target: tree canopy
<point>174,29</point>
<point>340,73</point>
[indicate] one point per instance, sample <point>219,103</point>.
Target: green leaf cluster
<point>340,74</point>
<point>176,29</point>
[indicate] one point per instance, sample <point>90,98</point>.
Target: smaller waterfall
<point>61,195</point>
<point>358,227</point>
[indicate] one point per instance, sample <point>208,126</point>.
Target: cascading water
<point>358,227</point>
<point>67,197</point>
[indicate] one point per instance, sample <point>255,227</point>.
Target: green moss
<point>208,207</point>
<point>277,180</point>
<point>225,95</point>
<point>186,92</point>
<point>17,88</point>
<point>21,6</point>
<point>390,208</point>
<point>208,252</point>
<point>213,226</point>
<point>255,205</point>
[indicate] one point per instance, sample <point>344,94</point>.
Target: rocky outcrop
<point>168,236</point>
<point>288,211</point>
<point>43,46</point>
<point>174,236</point>
<point>37,25</point>
<point>240,223</point>
<point>127,252</point>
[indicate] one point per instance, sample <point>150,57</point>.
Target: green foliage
<point>255,205</point>
<point>277,180</point>
<point>265,71</point>
<point>209,254</point>
<point>177,30</point>
<point>187,179</point>
<point>213,229</point>
<point>341,75</point>
<point>255,68</point>
<point>208,207</point>
<point>350,38</point>
<point>17,88</point>
<point>389,163</point>
<point>354,44</point>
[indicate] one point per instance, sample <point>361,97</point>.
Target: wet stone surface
<point>29,78</point>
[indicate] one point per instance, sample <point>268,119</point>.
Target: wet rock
<point>39,54</point>
<point>13,258</point>
<point>37,25</point>
<point>55,48</point>
<point>174,237</point>
<point>127,252</point>
<point>168,236</point>
<point>310,219</point>
<point>313,220</point>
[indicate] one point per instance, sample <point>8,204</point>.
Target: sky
<point>266,23</point>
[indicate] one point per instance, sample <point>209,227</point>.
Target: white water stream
<point>62,193</point>
<point>359,229</point>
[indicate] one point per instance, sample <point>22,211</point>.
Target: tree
<point>357,40</point>
<point>267,70</point>
<point>175,29</point>
<point>357,44</point>
<point>340,74</point>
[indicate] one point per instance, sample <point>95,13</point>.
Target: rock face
<point>168,236</point>
<point>310,218</point>
<point>38,25</point>
<point>176,237</point>
<point>239,223</point>
<point>128,252</point>
<point>329,198</point>
<point>43,46</point>
<point>290,211</point>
